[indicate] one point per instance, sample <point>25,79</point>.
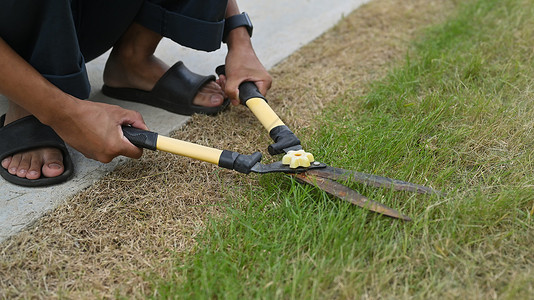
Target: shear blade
<point>345,193</point>
<point>372,180</point>
<point>278,167</point>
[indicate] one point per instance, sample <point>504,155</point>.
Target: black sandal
<point>174,92</point>
<point>26,134</point>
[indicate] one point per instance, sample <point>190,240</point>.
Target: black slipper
<point>25,134</point>
<point>174,92</point>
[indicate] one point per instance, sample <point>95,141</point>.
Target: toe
<point>53,163</point>
<point>210,95</point>
<point>34,171</point>
<point>216,100</point>
<point>212,87</point>
<point>48,161</point>
<point>14,164</point>
<point>5,162</point>
<point>24,165</point>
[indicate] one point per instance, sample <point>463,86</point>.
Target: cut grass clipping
<point>458,115</point>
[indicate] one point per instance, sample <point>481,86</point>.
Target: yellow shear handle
<point>223,158</point>
<point>188,149</point>
<point>250,96</point>
<point>264,113</point>
<point>284,139</point>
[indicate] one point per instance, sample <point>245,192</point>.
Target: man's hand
<point>95,129</point>
<point>242,64</point>
<point>92,128</point>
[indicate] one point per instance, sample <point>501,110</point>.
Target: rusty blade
<point>345,193</point>
<point>372,180</point>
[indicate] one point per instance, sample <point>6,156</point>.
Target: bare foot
<point>31,164</point>
<point>123,70</point>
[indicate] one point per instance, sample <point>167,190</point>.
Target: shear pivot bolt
<point>297,159</point>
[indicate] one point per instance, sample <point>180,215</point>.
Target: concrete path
<point>280,28</point>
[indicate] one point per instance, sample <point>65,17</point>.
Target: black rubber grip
<point>239,162</point>
<point>247,90</point>
<point>227,158</point>
<point>220,70</point>
<point>283,138</point>
<point>141,138</point>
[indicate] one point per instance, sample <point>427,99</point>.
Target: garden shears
<point>316,174</point>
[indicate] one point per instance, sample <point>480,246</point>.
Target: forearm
<point>92,128</point>
<point>232,8</point>
<point>237,38</point>
<point>242,64</point>
<point>24,86</point>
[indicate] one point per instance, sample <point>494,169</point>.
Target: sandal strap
<point>25,134</point>
<point>180,82</point>
<point>29,133</point>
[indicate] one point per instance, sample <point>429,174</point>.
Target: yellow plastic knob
<point>299,158</point>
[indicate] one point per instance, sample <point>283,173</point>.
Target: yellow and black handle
<point>227,159</point>
<point>284,139</point>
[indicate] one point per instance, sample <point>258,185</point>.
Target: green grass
<point>457,115</point>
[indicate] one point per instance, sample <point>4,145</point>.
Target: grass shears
<point>317,174</point>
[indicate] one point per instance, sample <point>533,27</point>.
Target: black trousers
<point>57,37</point>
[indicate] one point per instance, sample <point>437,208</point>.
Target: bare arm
<point>94,129</point>
<point>23,85</point>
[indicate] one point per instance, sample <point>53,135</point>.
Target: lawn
<point>435,92</point>
<point>458,116</point>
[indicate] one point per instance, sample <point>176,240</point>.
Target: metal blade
<point>345,193</point>
<point>372,180</point>
<point>278,167</point>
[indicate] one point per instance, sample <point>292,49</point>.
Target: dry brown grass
<point>146,214</point>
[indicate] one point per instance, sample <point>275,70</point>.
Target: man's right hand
<point>95,129</point>
<point>92,128</point>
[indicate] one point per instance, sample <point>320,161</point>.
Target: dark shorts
<point>57,37</point>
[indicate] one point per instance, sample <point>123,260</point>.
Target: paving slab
<point>280,28</point>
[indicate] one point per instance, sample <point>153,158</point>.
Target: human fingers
<point>132,118</point>
<point>129,149</point>
<point>221,81</point>
<point>107,138</point>
<point>115,144</point>
<point>263,86</point>
<point>232,91</point>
